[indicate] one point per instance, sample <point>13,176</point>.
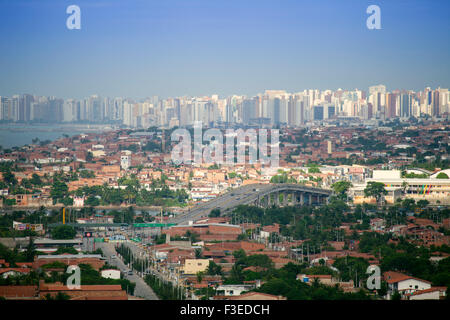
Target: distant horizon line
<point>221,95</point>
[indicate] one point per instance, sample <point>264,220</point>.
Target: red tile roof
<point>394,277</point>
<point>60,287</point>
<point>18,291</point>
<point>432,289</point>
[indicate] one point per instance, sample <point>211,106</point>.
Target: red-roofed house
<point>19,292</point>
<point>434,293</point>
<point>403,283</point>
<point>85,292</point>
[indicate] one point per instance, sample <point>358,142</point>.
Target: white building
<point>434,293</point>
<point>13,272</point>
<point>430,189</point>
<point>111,274</point>
<point>125,162</point>
<point>404,284</point>
<point>78,201</point>
<point>234,289</point>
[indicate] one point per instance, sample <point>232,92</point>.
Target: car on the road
<point>130,272</point>
<point>113,256</point>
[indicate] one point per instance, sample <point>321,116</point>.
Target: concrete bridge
<point>261,195</point>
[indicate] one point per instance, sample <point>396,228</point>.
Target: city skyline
<point>243,94</point>
<point>150,95</point>
<point>273,107</point>
<point>175,48</point>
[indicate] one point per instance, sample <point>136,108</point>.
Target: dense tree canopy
<point>375,189</point>
<point>63,232</point>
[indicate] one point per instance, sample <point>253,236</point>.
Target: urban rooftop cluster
<point>388,207</point>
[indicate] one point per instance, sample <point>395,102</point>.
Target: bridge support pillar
<point>291,198</point>
<point>300,198</point>
<point>307,199</point>
<point>285,198</point>
<point>257,202</point>
<point>315,199</point>
<point>297,198</point>
<point>272,199</point>
<point>266,201</point>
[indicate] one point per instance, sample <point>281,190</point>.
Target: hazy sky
<point>140,48</point>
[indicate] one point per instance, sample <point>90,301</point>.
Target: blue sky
<point>140,48</point>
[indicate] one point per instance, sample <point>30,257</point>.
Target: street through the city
<point>142,289</point>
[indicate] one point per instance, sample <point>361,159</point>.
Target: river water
<point>17,135</point>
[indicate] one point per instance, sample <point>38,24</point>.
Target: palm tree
<point>198,253</point>
<point>130,194</point>
<point>404,186</point>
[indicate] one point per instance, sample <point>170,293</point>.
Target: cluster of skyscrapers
<point>273,107</point>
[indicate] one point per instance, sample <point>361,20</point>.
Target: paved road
<point>142,289</point>
<point>242,195</point>
<point>163,274</point>
<point>223,202</point>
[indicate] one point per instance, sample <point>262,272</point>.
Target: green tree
<point>92,201</point>
<point>236,275</point>
<point>87,174</point>
<point>36,180</point>
<point>232,175</point>
<point>59,190</point>
<point>198,253</point>
<point>26,183</point>
<point>351,268</point>
<point>214,213</point>
<point>58,296</point>
<point>239,255</point>
<point>89,156</point>
<point>199,276</point>
<point>313,170</point>
<point>214,269</point>
<point>423,203</point>
<point>63,232</point>
<point>30,252</point>
<point>396,296</point>
<point>62,250</point>
<point>375,189</point>
<point>260,261</point>
<point>9,178</point>
<point>67,201</point>
<point>193,236</point>
<point>341,188</point>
